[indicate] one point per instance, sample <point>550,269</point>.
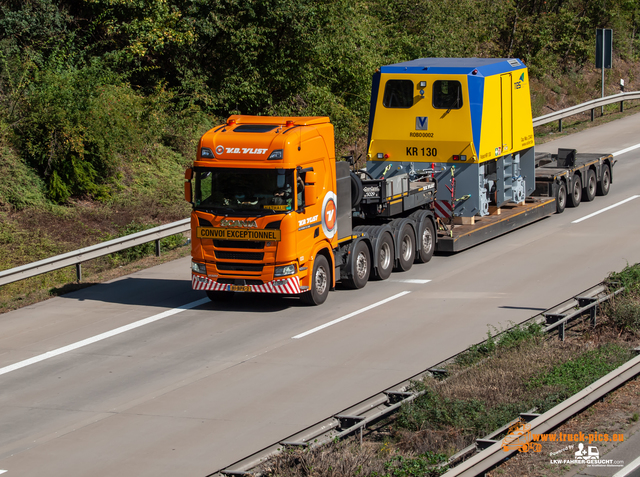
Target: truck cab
<point>264,207</point>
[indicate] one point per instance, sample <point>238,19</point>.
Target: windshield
<point>234,190</point>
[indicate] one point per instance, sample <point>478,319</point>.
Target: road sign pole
<point>603,56</point>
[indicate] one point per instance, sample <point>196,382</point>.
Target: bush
<point>629,278</point>
<point>425,465</point>
<point>472,416</point>
<point>568,378</point>
<point>514,336</point>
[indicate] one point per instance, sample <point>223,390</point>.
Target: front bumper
<point>284,286</point>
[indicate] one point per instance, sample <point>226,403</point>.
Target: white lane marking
<point>102,336</point>
<point>625,150</point>
<point>411,280</point>
<point>346,317</point>
<point>628,469</point>
<point>2,471</point>
<point>605,209</point>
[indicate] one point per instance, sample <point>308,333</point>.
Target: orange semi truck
<point>450,164</point>
<point>274,212</point>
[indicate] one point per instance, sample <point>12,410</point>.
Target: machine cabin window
<point>447,94</point>
<point>398,94</point>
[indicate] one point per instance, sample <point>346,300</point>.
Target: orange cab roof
<point>278,120</point>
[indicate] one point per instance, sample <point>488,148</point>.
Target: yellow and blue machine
<point>467,121</point>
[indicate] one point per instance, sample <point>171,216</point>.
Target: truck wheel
<point>320,282</point>
<point>590,187</point>
<point>219,295</point>
<point>385,256</point>
<point>561,197</point>
<point>576,192</point>
<point>605,182</point>
<point>426,241</point>
<point>407,248</point>
<point>360,266</point>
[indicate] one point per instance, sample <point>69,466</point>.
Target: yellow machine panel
<point>466,120</point>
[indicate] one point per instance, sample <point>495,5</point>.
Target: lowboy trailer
<point>451,164</point>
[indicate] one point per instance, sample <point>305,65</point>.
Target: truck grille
<point>239,267</point>
<point>239,281</point>
<point>239,255</point>
<point>238,244</point>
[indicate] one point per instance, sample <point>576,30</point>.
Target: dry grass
<point>42,287</point>
<point>614,414</point>
<point>31,234</point>
<point>333,460</point>
<point>551,94</point>
<point>492,389</point>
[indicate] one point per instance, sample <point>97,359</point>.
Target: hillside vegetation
<point>102,101</point>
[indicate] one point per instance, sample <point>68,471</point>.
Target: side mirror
<point>187,192</point>
<point>310,195</point>
<point>310,177</point>
<point>188,174</point>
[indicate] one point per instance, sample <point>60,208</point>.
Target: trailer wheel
<point>590,187</point>
<point>561,197</point>
<point>360,266</point>
<point>576,192</point>
<point>320,282</point>
<point>407,247</point>
<point>426,241</point>
<point>605,182</point>
<point>385,256</point>
<point>220,296</point>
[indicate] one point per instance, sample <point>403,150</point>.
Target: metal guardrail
<point>82,255</point>
<point>493,455</point>
<point>356,418</point>
<point>78,256</point>
<point>581,108</point>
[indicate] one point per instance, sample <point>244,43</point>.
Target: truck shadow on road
<point>172,294</point>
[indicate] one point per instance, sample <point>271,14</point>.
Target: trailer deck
<point>503,220</point>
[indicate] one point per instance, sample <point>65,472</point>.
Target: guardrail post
<point>79,272</point>
<point>158,248</point>
<point>561,330</point>
<point>559,125</point>
<point>593,113</point>
<point>593,311</point>
<point>622,106</point>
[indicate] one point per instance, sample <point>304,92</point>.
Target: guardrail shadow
<point>171,294</point>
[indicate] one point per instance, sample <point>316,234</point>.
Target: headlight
<point>277,154</point>
<point>285,270</point>
<point>206,153</point>
<point>199,267</point>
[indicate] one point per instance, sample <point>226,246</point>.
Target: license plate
<point>240,288</point>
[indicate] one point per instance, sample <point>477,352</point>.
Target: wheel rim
<point>427,240</point>
<point>605,180</point>
<point>406,248</point>
<point>576,191</point>
<point>361,265</point>
<point>562,196</point>
<point>321,280</point>
<point>592,184</point>
<point>385,256</point>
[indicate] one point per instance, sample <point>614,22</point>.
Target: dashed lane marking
<point>625,150</point>
<point>350,315</point>
<point>102,336</point>
<point>411,280</point>
<point>605,209</point>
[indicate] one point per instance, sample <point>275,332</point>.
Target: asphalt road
<point>194,390</point>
